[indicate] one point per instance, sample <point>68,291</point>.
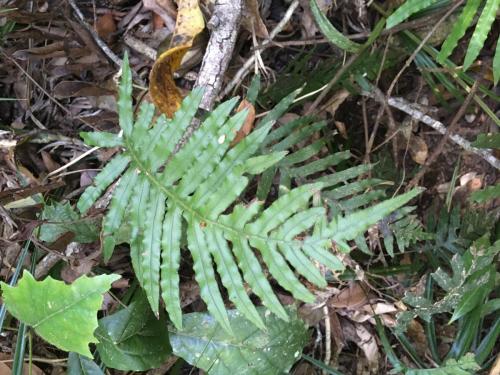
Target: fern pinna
<point>162,195</point>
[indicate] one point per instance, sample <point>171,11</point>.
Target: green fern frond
<point>195,192</point>
<point>408,8</point>
<point>483,27</point>
<point>459,28</point>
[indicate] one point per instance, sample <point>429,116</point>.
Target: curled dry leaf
<point>163,90</point>
<point>249,121</point>
<point>164,9</point>
<point>418,150</point>
<point>350,298</point>
<point>252,19</point>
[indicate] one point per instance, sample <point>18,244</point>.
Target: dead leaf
<point>106,26</point>
<point>418,150</point>
<point>417,335</point>
<point>4,369</point>
<point>162,88</point>
<point>164,9</point>
<point>249,120</point>
<point>350,298</point>
<point>252,20</point>
<point>49,163</point>
<point>70,89</point>
<point>367,343</point>
<point>495,369</point>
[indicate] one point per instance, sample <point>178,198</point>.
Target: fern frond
<point>459,28</point>
<point>193,192</point>
<point>408,8</point>
<point>483,27</point>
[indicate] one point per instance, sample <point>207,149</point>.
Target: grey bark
<point>224,25</point>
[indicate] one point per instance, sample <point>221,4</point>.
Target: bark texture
<point>224,25</point>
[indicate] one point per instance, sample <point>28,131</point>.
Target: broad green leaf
<point>64,315</point>
<point>62,218</point>
<point>486,194</point>
<point>408,8</point>
<point>483,27</point>
<point>79,365</point>
<point>481,284</point>
<point>273,351</point>
<point>133,339</point>
<point>464,366</point>
<point>330,32</point>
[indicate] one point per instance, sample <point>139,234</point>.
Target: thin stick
<point>245,69</point>
<point>103,46</point>
<point>328,338</point>
<point>415,112</point>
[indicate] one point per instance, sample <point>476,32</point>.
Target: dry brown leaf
<point>368,344</point>
<point>164,9</point>
<point>4,369</point>
<point>70,89</point>
<point>105,26</point>
<point>495,369</point>
<point>350,298</point>
<point>249,121</point>
<point>162,88</point>
<point>417,335</point>
<point>251,16</point>
<point>418,150</point>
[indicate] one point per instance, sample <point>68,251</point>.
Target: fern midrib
<point>187,208</point>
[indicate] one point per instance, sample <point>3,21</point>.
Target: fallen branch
<point>224,24</point>
<point>417,114</point>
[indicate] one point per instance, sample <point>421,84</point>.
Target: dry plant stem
<point>246,68</point>
<point>421,45</point>
<point>439,148</point>
<point>103,46</point>
<point>224,24</point>
<point>415,112</point>
<point>328,338</point>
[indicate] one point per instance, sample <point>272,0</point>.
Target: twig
<point>103,46</point>
<point>417,114</point>
<point>439,148</point>
<point>224,23</point>
<point>245,69</point>
<point>328,338</point>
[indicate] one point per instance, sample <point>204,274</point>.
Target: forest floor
<point>407,119</point>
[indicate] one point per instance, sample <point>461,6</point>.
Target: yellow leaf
<point>162,88</point>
